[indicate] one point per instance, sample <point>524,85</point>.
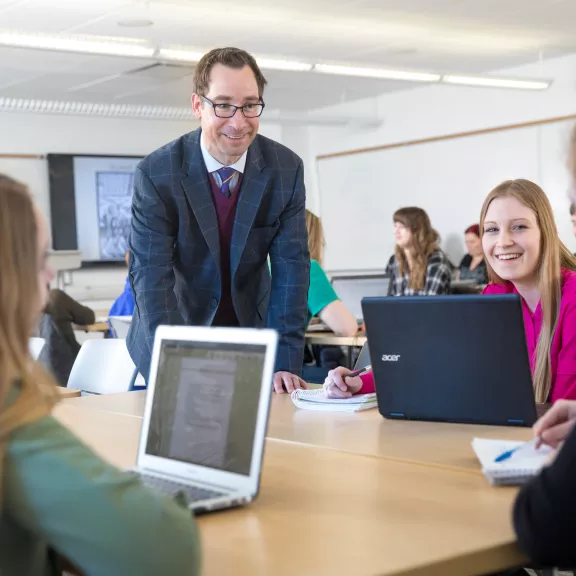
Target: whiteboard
<point>449,179</point>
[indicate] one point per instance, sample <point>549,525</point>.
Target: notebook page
<point>317,400</point>
<point>525,462</point>
<point>318,395</point>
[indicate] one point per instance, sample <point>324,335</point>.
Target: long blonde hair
<point>315,237</point>
<point>553,257</point>
<point>18,293</point>
<point>571,163</point>
<point>425,241</point>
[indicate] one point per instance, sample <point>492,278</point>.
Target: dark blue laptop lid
<point>451,358</point>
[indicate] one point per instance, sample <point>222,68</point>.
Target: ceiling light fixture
<point>139,48</point>
<point>179,54</point>
<point>516,83</point>
<point>82,44</point>
<point>144,112</point>
<point>287,65</point>
<point>376,73</point>
<point>70,108</point>
<point>135,23</point>
<point>183,54</point>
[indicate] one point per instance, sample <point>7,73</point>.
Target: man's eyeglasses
<point>252,110</point>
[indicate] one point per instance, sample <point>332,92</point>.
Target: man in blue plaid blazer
<point>208,211</point>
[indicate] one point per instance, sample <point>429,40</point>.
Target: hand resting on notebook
<point>557,423</point>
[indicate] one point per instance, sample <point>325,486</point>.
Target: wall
<point>438,110</point>
<point>442,109</point>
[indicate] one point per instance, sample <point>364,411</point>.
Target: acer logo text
<point>390,357</point>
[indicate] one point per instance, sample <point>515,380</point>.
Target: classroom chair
<point>35,346</point>
<point>102,367</point>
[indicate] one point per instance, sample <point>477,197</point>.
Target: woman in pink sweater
<point>524,256</point>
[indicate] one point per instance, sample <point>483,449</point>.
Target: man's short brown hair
<point>231,57</point>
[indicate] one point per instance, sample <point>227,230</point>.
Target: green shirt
<point>320,293</point>
<point>58,494</point>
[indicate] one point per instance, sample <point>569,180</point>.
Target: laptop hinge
<point>186,480</point>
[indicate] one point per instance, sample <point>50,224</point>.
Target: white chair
<point>120,325</point>
<point>35,346</point>
<point>102,367</point>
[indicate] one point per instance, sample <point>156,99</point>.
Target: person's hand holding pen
<point>342,382</point>
<point>553,428</point>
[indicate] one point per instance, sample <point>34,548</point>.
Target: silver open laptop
<point>206,414</point>
<point>351,290</point>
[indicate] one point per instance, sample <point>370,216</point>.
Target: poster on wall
<point>114,192</point>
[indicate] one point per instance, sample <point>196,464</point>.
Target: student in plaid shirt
<point>418,266</point>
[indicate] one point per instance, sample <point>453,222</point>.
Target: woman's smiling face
<point>511,240</point>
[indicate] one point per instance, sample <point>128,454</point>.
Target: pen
<point>509,453</point>
<point>357,372</point>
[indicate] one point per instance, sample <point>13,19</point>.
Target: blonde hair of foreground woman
<point>22,297</point>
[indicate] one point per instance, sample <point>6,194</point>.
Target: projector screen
<point>90,200</point>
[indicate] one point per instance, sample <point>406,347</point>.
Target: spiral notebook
<point>317,400</point>
<point>518,469</point>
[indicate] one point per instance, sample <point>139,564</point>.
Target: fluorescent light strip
<point>180,54</point>
<point>497,82</point>
<point>70,108</point>
<point>82,44</point>
<point>376,73</point>
<point>130,47</point>
<point>287,65</point>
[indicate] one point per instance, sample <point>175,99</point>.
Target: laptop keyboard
<point>171,488</point>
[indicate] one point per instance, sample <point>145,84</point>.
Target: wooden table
<point>362,433</point>
<point>325,513</point>
<point>331,339</point>
<point>127,403</point>
<point>68,392</point>
<point>97,327</point>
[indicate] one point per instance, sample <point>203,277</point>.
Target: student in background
<point>59,502</point>
<point>418,266</point>
<point>324,303</point>
<point>322,300</point>
<point>124,304</point>
<point>545,509</point>
<point>524,256</point>
<point>473,266</point>
<point>55,326</point>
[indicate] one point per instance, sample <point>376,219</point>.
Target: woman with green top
<point>60,504</point>
<point>323,302</point>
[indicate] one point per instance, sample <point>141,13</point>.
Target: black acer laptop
<point>451,359</point>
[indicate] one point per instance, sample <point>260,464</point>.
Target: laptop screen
<point>205,403</point>
<point>351,290</point>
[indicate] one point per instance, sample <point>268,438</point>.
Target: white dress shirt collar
<point>212,164</point>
